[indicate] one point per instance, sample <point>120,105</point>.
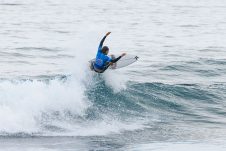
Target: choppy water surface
<point>173,98</point>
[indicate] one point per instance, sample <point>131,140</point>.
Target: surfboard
<point>123,62</point>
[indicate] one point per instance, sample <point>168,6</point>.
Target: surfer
<point>103,61</point>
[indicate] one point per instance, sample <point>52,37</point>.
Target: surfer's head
<point>105,50</point>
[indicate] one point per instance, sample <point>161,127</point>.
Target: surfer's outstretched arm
<point>117,59</point>
<point>102,41</point>
<point>113,61</point>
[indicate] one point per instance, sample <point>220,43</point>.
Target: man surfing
<point>103,61</point>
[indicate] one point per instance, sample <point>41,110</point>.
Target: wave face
<point>63,106</point>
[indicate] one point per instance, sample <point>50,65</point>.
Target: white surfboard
<point>123,62</point>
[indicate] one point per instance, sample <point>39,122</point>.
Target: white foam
<point>22,103</point>
<point>115,80</point>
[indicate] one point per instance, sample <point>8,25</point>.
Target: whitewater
<point>173,98</point>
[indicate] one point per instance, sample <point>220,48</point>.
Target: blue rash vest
<point>101,58</point>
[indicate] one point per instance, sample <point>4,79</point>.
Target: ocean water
<point>173,98</point>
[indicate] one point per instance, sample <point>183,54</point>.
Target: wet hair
<point>105,49</point>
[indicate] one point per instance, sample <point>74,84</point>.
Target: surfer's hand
<point>108,33</point>
<point>123,54</point>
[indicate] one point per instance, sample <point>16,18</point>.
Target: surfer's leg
<point>97,70</point>
<point>106,67</point>
<point>91,66</point>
